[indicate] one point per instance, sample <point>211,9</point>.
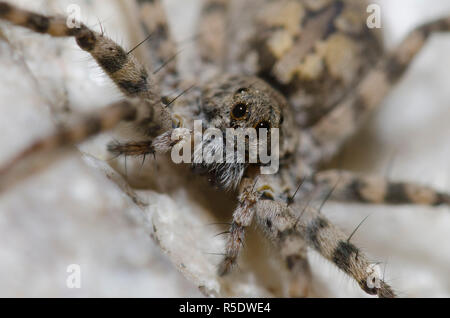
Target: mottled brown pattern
<point>315,53</point>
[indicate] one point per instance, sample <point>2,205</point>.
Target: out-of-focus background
<point>159,243</point>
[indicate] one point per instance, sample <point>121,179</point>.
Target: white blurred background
<point>76,212</point>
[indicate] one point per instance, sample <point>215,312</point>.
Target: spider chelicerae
<point>316,103</point>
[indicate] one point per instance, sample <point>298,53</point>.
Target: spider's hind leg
<point>354,187</point>
<point>242,218</point>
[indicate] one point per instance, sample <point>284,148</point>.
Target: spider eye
<point>239,111</point>
<point>263,124</point>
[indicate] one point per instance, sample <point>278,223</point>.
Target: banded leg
<point>332,130</point>
<point>242,218</point>
<point>131,78</point>
<point>371,189</point>
<point>327,239</point>
<point>149,115</point>
<point>41,151</point>
<point>38,155</point>
<point>133,149</point>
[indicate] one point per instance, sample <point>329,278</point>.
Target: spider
<point>312,69</point>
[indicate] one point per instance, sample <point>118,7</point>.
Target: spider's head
<point>242,102</point>
<point>245,102</point>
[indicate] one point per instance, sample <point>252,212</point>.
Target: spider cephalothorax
<point>240,106</point>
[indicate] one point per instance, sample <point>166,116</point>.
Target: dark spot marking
<point>93,126</point>
<point>313,230</point>
<point>342,255</point>
<point>269,223</point>
<point>291,260</point>
<point>355,190</point>
<point>38,23</point>
<point>338,7</point>
<point>153,129</point>
<point>360,107</point>
<point>130,113</point>
<point>5,8</point>
<point>395,69</point>
<point>299,262</point>
<point>442,198</point>
<point>74,31</point>
<point>134,88</point>
<point>396,194</point>
<point>113,63</point>
<point>162,32</point>
<point>435,26</point>
<point>86,39</point>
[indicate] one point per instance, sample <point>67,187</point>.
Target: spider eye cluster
<point>239,111</point>
<point>263,124</point>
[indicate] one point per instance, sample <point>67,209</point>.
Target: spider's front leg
<point>126,72</point>
<point>121,66</point>
<point>348,186</point>
<point>242,218</point>
<point>159,145</point>
<point>142,106</point>
<point>291,246</point>
<point>280,221</point>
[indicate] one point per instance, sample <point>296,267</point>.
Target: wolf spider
<point>312,69</point>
